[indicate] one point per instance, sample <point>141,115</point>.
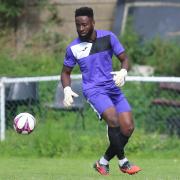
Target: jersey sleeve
<point>69,59</point>
<point>116,45</point>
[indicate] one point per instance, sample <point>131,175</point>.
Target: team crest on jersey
<point>81,50</point>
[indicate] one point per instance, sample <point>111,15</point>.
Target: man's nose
<point>81,28</point>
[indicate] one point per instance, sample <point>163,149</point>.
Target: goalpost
<point>5,80</point>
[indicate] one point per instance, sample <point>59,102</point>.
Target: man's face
<point>84,26</point>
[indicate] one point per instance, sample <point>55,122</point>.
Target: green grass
<point>81,169</point>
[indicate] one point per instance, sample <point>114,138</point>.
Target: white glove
<point>120,77</point>
<point>68,96</point>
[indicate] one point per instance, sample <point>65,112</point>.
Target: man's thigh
<point>122,105</point>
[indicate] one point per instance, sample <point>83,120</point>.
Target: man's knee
<point>128,130</point>
<point>126,123</point>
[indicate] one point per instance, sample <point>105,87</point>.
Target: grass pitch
<point>81,169</point>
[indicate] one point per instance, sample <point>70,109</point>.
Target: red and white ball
<point>24,123</point>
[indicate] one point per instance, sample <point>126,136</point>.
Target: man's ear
<point>93,21</point>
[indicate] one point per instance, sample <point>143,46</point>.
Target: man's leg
<point>108,112</point>
<point>111,118</point>
<point>105,109</point>
<point>126,129</point>
<point>120,127</point>
<point>126,124</point>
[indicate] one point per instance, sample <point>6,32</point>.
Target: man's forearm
<point>65,79</point>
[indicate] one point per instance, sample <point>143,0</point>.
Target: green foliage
<point>133,45</point>
<point>11,10</point>
<point>53,139</point>
<point>161,54</point>
<point>30,64</point>
<point>140,96</point>
<point>164,57</point>
<point>43,54</point>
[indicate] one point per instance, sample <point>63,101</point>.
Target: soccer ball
<point>24,123</point>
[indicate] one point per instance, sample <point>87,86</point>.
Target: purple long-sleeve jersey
<point>94,59</point>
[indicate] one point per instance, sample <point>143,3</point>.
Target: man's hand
<point>120,77</point>
<point>68,96</point>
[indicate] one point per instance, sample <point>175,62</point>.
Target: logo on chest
<point>81,50</point>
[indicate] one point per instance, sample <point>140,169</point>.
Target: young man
<point>92,51</point>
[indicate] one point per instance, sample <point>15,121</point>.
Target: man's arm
<point>66,83</point>
<point>124,61</point>
<point>65,76</point>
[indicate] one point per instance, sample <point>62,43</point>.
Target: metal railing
<point>140,91</point>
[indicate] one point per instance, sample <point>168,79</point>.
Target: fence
<point>155,100</point>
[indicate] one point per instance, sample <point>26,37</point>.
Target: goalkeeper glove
<point>120,77</point>
<point>68,96</point>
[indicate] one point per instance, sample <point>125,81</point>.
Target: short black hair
<point>84,11</point>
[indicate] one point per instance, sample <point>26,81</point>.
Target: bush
<point>30,65</point>
<point>161,54</point>
<point>52,139</point>
<point>10,9</point>
<point>164,57</point>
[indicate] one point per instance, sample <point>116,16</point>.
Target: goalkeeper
<point>92,50</point>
